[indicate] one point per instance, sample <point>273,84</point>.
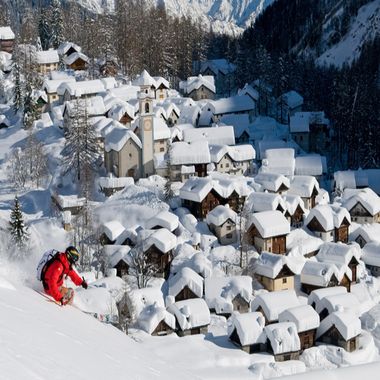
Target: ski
<point>104,318</point>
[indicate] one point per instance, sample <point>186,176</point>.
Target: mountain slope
<point>40,340</point>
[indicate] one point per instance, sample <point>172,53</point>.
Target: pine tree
<point>18,100</point>
<point>18,230</point>
<point>44,29</point>
<point>81,148</point>
<point>56,24</point>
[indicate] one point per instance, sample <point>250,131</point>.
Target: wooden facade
<point>341,233</point>
<point>333,336</point>
<point>7,46</point>
<point>193,331</point>
<point>78,64</point>
<point>249,348</point>
<point>283,281</point>
<point>360,214</point>
<point>122,268</point>
<point>273,244</point>
<point>185,294</point>
<point>337,234</point>
<point>307,339</point>
<point>160,260</point>
<point>240,304</point>
<point>162,329</point>
<point>296,220</point>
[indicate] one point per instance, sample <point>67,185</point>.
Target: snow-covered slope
<point>39,340</point>
<point>364,27</point>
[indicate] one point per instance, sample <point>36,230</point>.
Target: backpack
<point>47,258</point>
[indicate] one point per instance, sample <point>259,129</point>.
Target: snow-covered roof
<point>220,214</point>
<point>329,216</point>
<point>81,88</point>
<point>196,188</point>
<point>369,232</point>
<point>304,317</point>
<point>233,104</point>
<point>144,80</point>
<point>283,337</point>
<point>215,65</point>
<point>189,115</point>
<point>317,295</point>
<point>113,229</point>
<point>303,185</point>
<point>319,273</point>
<point>117,137</point>
<point>213,135</point>
<point>249,90</point>
<point>164,219</point>
<point>152,315</point>
<point>258,201</point>
<point>47,56</point>
<point>237,152</point>
<point>194,83</point>
<point>184,153</point>
<point>358,178</point>
<point>292,202</point>
<point>272,181</point>
<point>6,33</point>
<point>371,254</point>
<point>249,327</point>
<point>310,165</point>
<point>117,111</point>
<point>116,253</point>
<point>142,298</point>
<point>300,121</point>
<point>186,277</point>
<point>51,86</point>
<point>270,223</point>
<point>65,46</point>
<point>274,303</point>
<point>160,81</point>
<point>292,99</point>
<point>348,324</point>
<point>270,264</point>
<point>279,161</point>
<point>162,239</point>
<point>366,197</point>
<point>69,60</point>
<point>160,129</point>
<point>346,302</point>
<point>300,243</point>
<point>93,106</point>
<point>190,313</point>
<point>221,291</point>
<point>339,253</point>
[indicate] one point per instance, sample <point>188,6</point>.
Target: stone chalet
<point>363,205</point>
<point>329,222</point>
<point>267,231</point>
<point>340,329</point>
<point>222,222</point>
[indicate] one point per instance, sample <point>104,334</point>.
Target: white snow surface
<point>283,337</point>
<point>249,327</point>
<point>304,317</point>
<point>270,223</point>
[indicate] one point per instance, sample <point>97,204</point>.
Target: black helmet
<point>72,254</point>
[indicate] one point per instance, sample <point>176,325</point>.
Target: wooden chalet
<point>330,223</point>
<point>340,329</point>
<point>306,320</point>
<point>186,284</point>
<point>246,331</point>
<point>268,230</point>
<point>7,39</point>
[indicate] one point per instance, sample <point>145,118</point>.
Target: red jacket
<point>57,271</point>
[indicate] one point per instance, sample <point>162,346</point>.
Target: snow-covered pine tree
<point>44,28</point>
<point>56,24</point>
<point>18,100</point>
<point>18,231</point>
<point>81,148</point>
<point>168,191</point>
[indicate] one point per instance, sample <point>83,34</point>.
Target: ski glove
<point>84,284</point>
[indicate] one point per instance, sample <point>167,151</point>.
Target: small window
<point>130,155</point>
<point>284,280</point>
<point>147,107</point>
<point>162,149</point>
<point>228,228</point>
<point>229,236</point>
<point>227,165</point>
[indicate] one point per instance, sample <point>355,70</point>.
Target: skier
<point>57,271</point>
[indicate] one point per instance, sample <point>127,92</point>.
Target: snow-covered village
<point>189,190</point>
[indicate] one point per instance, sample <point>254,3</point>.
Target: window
<point>228,228</point>
<point>162,149</point>
<point>130,155</point>
<point>227,165</point>
<point>284,280</point>
<point>229,236</point>
<point>147,107</point>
